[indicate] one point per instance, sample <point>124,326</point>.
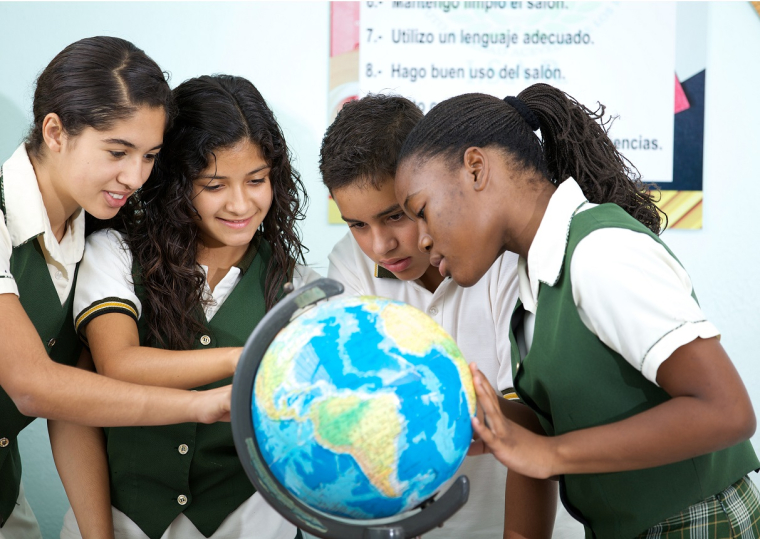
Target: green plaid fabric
<point>735,512</point>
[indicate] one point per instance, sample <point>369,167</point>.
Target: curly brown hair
<point>160,221</point>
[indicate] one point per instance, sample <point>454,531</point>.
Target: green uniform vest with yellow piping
<point>55,326</point>
<point>191,468</point>
<point>574,381</point>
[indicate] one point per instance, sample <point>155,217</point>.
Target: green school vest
<point>191,468</point>
<point>55,326</point>
<point>574,381</point>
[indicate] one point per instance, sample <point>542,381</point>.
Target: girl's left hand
<point>513,445</point>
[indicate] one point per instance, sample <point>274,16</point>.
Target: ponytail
<point>575,143</point>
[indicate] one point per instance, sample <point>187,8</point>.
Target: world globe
<point>362,407</point>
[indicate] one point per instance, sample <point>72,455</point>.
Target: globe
<point>362,407</point>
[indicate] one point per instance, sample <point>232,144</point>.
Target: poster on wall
<point>644,61</point>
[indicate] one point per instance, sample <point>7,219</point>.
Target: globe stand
<point>433,512</point>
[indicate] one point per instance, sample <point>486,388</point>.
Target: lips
<point>235,224</point>
<point>396,265</point>
<point>439,262</point>
<point>116,199</point>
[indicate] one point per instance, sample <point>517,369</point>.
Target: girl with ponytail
<point>610,348</point>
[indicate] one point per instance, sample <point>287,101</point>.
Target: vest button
<point>183,449</point>
<point>4,442</point>
<point>51,343</point>
<point>433,310</point>
<point>182,499</point>
<point>58,275</point>
<point>205,340</point>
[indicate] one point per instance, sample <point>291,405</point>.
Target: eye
<point>150,156</point>
<point>257,181</point>
<point>212,188</point>
<point>396,217</point>
<point>117,154</point>
<point>357,226</point>
<point>421,213</point>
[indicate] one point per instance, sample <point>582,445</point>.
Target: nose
<point>135,174</point>
<point>382,242</point>
<point>425,240</point>
<point>237,203</point>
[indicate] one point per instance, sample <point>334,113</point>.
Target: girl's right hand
<point>213,405</point>
<point>516,447</point>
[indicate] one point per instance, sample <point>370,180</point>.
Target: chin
<point>102,213</point>
<point>463,280</point>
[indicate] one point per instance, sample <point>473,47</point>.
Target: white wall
<point>283,48</point>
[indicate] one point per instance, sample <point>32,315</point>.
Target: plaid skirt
<point>734,512</point>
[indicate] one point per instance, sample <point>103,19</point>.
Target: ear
<point>477,167</point>
<point>53,132</point>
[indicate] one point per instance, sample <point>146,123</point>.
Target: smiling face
<point>381,229</point>
<point>459,214</point>
<point>99,170</point>
<point>232,196</point>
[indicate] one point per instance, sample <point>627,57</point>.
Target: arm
<point>699,419</point>
<point>80,457</point>
<point>116,350</point>
<point>40,387</point>
<point>530,505</point>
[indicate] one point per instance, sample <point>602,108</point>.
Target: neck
<point>529,219</point>
<point>59,205</point>
<point>219,259</point>
<point>431,279</point>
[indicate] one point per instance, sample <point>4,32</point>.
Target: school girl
<point>202,255</point>
<point>646,417</point>
<point>100,109</point>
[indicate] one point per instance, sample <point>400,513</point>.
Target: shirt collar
<point>25,213</point>
<point>547,252</point>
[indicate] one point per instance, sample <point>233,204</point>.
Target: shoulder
<point>303,275</point>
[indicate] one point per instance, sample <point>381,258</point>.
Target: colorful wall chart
<point>645,61</point>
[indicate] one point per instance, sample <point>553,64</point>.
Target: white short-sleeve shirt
<point>26,219</point>
<point>105,280</point>
<point>629,291</point>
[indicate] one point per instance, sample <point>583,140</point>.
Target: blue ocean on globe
<point>362,407</point>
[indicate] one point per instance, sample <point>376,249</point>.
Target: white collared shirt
<point>476,317</point>
<point>106,273</point>
<point>26,219</point>
<point>629,291</point>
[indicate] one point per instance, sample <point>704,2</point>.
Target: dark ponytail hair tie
<point>522,109</point>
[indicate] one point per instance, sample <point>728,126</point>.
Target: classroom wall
<point>283,48</point>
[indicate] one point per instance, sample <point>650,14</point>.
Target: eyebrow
<point>217,177</point>
<point>126,143</point>
<point>383,213</point>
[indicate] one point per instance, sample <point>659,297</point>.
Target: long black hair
<point>96,82</point>
<point>214,113</point>
<point>575,144</point>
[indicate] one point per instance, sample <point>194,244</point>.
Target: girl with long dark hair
<point>199,258</point>
<point>646,418</point>
<point>100,109</point>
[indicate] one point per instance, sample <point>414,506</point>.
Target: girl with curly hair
<point>640,411</point>
<point>170,294</point>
